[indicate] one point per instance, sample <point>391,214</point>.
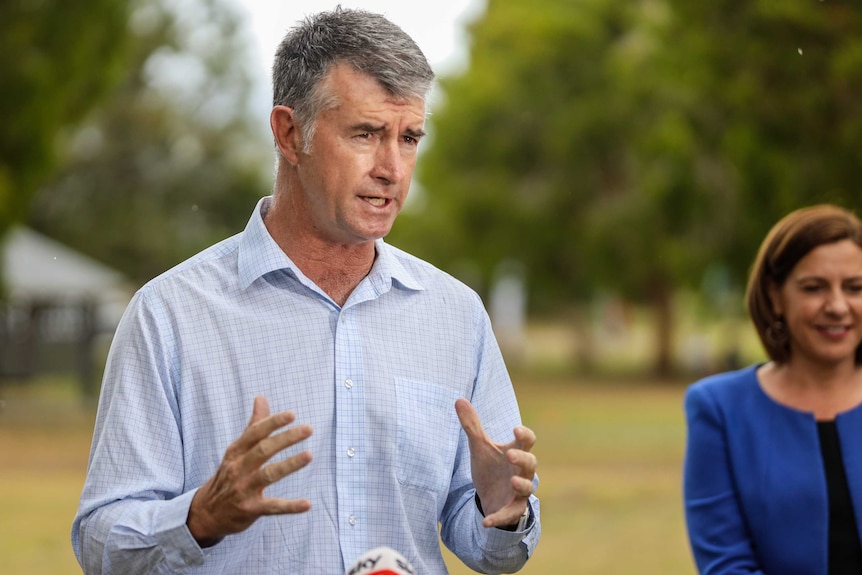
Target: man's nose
<point>390,164</point>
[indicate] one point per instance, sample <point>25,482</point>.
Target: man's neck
<point>335,268</point>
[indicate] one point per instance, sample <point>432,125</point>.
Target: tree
<point>527,136</point>
<point>744,115</point>
<point>535,142</point>
<point>58,59</point>
<point>772,105</point>
<point>171,163</point>
<point>634,147</point>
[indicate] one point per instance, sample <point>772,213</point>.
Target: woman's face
<point>821,302</point>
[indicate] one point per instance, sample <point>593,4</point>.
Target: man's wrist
<point>519,526</point>
<point>522,521</point>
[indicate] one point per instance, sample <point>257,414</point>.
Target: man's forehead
<point>346,77</point>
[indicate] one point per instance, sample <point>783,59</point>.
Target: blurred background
<point>601,172</point>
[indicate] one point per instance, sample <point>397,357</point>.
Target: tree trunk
<point>662,301</point>
<point>584,344</point>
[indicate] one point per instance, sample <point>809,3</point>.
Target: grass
<point>609,462</point>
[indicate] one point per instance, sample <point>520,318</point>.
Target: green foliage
<point>57,60</point>
<point>171,162</point>
<point>634,146</point>
<point>526,138</point>
<point>772,108</point>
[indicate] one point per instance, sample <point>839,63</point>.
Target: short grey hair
<point>368,42</point>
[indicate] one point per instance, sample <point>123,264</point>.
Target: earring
<point>777,332</point>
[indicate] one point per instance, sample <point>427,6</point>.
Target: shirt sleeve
<point>133,509</point>
<point>717,529</point>
<point>487,550</point>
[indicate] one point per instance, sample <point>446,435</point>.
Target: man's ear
<point>286,132</point>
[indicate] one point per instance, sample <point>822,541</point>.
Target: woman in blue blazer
<point>773,463</point>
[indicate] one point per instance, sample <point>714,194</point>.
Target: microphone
<point>381,561</point>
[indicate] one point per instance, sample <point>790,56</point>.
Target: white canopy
<point>37,268</point>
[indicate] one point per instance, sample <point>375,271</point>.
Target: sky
<point>437,26</point>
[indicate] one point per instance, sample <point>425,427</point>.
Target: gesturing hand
<point>233,498</point>
<point>502,473</point>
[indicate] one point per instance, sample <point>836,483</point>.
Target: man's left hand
<point>502,473</point>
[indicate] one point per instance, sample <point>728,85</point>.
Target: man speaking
<point>302,392</point>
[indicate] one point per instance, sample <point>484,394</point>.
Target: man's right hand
<point>233,498</point>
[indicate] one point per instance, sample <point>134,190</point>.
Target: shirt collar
<point>388,268</point>
<point>260,255</point>
<point>258,252</point>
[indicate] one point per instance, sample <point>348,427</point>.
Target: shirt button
<point>348,383</point>
<point>351,452</point>
<point>351,520</point>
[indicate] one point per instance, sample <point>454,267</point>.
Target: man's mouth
<point>377,202</point>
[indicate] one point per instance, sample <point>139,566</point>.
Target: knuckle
<point>268,475</point>
<point>259,450</point>
<point>232,470</point>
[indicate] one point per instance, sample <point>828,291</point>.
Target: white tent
<point>36,268</point>
<point>59,306</point>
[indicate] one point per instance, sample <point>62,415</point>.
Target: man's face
<point>356,176</point>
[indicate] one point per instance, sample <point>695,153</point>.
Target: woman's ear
<point>286,132</point>
<point>775,300</point>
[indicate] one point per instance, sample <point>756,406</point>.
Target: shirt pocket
<point>428,431</point>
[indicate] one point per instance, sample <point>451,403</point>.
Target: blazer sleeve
<point>717,529</point>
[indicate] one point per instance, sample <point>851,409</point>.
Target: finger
<point>273,444</point>
<point>259,409</point>
<point>525,437</point>
<point>469,418</point>
<point>267,448</point>
<point>281,469</point>
<point>277,506</point>
<point>258,431</point>
<point>522,487</point>
<point>524,460</point>
<point>508,515</point>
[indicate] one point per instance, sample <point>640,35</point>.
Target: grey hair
<point>368,42</point>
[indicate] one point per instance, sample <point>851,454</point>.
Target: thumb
<point>469,418</point>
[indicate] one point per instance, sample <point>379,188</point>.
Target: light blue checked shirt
<point>377,379</point>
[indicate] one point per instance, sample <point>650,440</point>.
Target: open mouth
<point>377,202</point>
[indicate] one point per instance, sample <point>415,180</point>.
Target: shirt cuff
<point>513,529</point>
<point>174,539</point>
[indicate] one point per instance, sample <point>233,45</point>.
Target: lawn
<point>609,464</point>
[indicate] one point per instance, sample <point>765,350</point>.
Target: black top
<point>845,551</point>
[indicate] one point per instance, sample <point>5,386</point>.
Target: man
<point>311,317</point>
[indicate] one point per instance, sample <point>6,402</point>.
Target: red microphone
<point>381,561</point>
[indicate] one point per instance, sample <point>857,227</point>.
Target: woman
<point>773,465</point>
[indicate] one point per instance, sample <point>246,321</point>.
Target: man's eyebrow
<point>418,134</point>
<point>368,127</point>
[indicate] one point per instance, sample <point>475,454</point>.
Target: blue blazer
<point>754,483</point>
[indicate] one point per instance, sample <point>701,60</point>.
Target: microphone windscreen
<point>381,561</point>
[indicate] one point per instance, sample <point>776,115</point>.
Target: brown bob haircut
<point>790,240</point>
